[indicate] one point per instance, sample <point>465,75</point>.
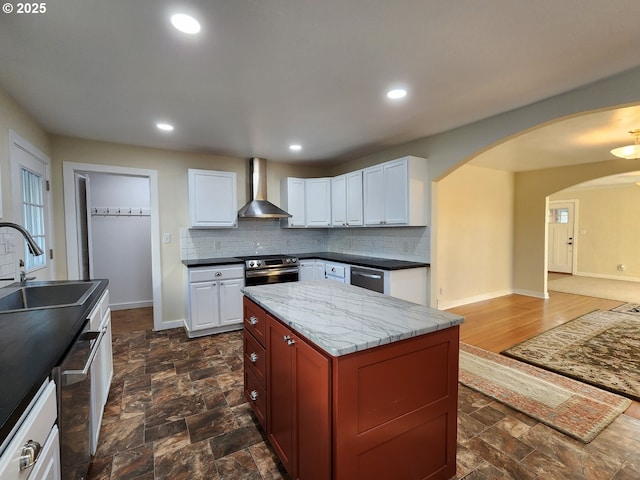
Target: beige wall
<point>475,216</point>
<point>531,192</point>
<point>172,192</point>
<point>607,231</point>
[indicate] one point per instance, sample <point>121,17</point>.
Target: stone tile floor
<point>176,411</point>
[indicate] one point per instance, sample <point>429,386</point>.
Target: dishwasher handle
<point>366,275</point>
<point>69,377</point>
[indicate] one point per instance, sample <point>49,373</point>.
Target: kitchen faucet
<point>33,246</point>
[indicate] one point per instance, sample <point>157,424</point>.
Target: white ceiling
<point>266,73</point>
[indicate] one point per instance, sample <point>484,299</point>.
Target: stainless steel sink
<point>52,295</point>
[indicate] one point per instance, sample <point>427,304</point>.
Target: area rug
<point>631,308</point>
<point>601,348</point>
<point>574,408</point>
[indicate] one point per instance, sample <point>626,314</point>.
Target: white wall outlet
<point>166,238</point>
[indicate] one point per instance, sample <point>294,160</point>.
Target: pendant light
<point>629,151</point>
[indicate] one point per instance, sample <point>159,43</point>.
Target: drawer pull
<point>286,338</point>
<point>253,320</point>
<point>29,454</point>
<point>218,274</point>
<point>253,357</point>
<point>253,395</point>
<point>291,342</point>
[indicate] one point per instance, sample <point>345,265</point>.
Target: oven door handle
<point>270,273</point>
<point>69,377</point>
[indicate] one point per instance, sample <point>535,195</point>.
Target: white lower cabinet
<point>37,432</point>
<point>102,369</point>
<point>338,272</point>
<point>311,270</point>
<point>214,303</point>
<point>48,465</point>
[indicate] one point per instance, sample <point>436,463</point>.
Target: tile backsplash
<point>258,237</point>
<point>8,259</point>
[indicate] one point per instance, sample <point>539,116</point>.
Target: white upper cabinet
<point>318,202</point>
<point>346,200</point>
<point>213,199</point>
<point>395,193</point>
<point>308,200</point>
<point>292,199</point>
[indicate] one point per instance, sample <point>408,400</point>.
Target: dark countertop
<point>31,344</point>
<point>361,260</point>
<point>211,261</point>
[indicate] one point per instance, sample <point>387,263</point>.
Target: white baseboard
<point>476,298</point>
<point>531,293</point>
<point>130,305</point>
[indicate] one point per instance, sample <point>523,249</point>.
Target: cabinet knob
<point>218,274</point>
<point>29,454</point>
<point>253,320</point>
<point>291,342</point>
<point>286,338</point>
<point>253,357</point>
<point>253,395</point>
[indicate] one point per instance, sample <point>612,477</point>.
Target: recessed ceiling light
<point>185,23</point>
<point>295,147</point>
<point>397,93</point>
<point>165,127</point>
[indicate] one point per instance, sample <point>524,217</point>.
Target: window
<point>33,210</point>
<point>558,215</point>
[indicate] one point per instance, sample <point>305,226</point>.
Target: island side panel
<point>395,409</point>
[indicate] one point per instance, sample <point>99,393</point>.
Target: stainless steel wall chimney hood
<point>258,206</point>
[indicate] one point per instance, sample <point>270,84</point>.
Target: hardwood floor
<point>502,322</point>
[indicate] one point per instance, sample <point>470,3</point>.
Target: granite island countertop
<point>342,319</point>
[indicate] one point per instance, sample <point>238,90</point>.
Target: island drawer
<point>255,320</point>
<point>256,395</point>
<point>255,357</point>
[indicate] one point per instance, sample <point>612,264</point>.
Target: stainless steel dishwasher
<point>368,278</point>
<point>73,381</point>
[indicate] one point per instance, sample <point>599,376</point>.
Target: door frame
<point>15,142</point>
<point>574,254</point>
<point>69,169</point>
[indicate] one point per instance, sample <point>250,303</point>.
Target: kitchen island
<point>352,384</point>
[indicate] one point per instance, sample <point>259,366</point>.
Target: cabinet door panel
<point>231,302</point>
<point>374,197</point>
<point>312,417</point>
<point>318,202</point>
<point>396,207</point>
<point>212,198</point>
<point>354,199</point>
<point>339,201</point>
<point>280,388</point>
<point>204,305</point>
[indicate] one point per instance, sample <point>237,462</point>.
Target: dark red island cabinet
<point>388,412</point>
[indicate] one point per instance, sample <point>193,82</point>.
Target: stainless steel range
<point>265,269</point>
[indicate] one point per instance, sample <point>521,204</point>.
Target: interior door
<point>561,241</point>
